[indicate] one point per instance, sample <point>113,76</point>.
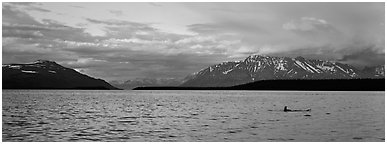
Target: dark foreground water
<point>66,115</point>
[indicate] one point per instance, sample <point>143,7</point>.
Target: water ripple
<point>170,116</point>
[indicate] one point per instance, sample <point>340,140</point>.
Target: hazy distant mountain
<point>44,74</point>
<point>374,72</point>
<point>145,82</point>
<point>257,67</point>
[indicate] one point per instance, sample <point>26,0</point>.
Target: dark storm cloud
<point>359,56</point>
<point>18,23</point>
<point>25,39</point>
<point>14,16</point>
<point>364,57</point>
<point>325,52</point>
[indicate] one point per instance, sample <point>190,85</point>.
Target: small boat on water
<point>289,110</point>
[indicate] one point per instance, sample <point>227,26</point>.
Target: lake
<point>194,116</point>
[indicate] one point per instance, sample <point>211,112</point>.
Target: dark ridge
<point>295,85</point>
<point>44,74</point>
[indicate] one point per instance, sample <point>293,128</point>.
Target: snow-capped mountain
<point>258,67</point>
<point>146,82</point>
<point>44,74</point>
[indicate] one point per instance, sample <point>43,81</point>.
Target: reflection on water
<point>66,115</point>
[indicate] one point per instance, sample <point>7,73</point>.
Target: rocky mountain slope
<point>257,67</point>
<point>43,74</point>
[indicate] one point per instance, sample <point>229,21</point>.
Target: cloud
<point>197,39</point>
<point>155,4</point>
<point>16,45</point>
<point>15,16</point>
<point>156,66</point>
<point>22,34</point>
<point>75,6</point>
<point>33,27</point>
<point>48,31</point>
<point>86,63</point>
<point>33,31</point>
<point>121,29</point>
<point>136,41</point>
<point>149,41</point>
<point>369,56</point>
<point>116,22</point>
<point>309,25</point>
<point>322,52</point>
<point>38,9</point>
<point>204,28</point>
<point>134,64</point>
<point>17,50</point>
<point>24,3</point>
<point>77,44</point>
<point>116,12</point>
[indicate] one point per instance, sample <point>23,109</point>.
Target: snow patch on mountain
<point>341,69</point>
<point>25,71</point>
<point>301,65</point>
<point>226,72</point>
<point>280,66</point>
<point>211,69</point>
<point>12,66</point>
<point>325,67</point>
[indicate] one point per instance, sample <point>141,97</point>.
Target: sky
<point>122,41</point>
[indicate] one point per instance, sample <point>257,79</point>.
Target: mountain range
<point>44,74</point>
<point>257,67</point>
<point>146,82</point>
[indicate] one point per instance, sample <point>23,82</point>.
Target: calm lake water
<point>67,115</point>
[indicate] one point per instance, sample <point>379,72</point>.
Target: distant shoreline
<point>76,88</point>
<point>295,85</point>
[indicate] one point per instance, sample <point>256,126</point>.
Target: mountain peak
<point>256,56</point>
<point>45,74</point>
<point>44,61</point>
<point>253,58</point>
<point>258,67</point>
